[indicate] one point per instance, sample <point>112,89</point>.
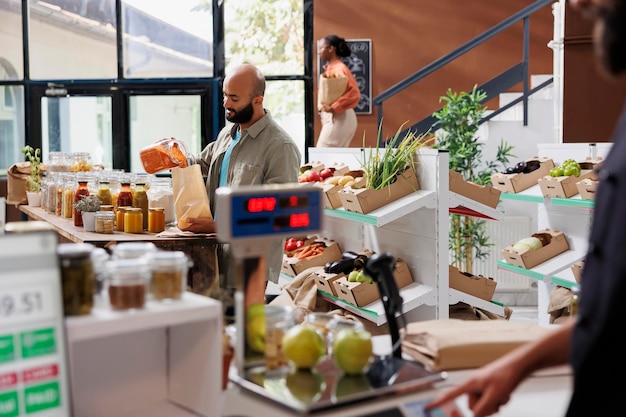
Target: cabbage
<point>528,243</point>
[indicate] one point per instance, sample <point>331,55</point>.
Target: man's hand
<point>200,225</point>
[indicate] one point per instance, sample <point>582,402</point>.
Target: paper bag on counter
<point>443,345</point>
<point>16,183</point>
<point>190,195</point>
<point>330,89</point>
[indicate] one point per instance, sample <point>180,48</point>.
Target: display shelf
<point>565,278</point>
<point>390,212</point>
<point>456,296</point>
<point>162,360</point>
<point>412,295</point>
<point>574,201</point>
<point>466,206</point>
<point>531,195</point>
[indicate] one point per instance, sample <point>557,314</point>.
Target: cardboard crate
<point>577,270</point>
<point>478,286</point>
<point>484,194</point>
<point>366,200</point>
<point>324,281</point>
<point>566,187</point>
<point>293,266</point>
<point>361,294</point>
<point>330,192</point>
<point>587,189</point>
<point>554,243</point>
<point>514,183</point>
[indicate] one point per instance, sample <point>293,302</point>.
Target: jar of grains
<point>169,274</point>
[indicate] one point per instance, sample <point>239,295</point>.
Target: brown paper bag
<point>16,183</point>
<point>190,195</point>
<point>330,89</point>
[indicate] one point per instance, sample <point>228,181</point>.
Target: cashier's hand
<point>487,389</point>
<point>200,225</point>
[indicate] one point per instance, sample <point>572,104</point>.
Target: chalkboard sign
<point>360,64</point>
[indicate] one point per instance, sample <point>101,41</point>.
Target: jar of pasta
<point>169,274</point>
<point>81,162</point>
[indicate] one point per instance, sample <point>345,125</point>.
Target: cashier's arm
<point>491,386</point>
<point>200,225</point>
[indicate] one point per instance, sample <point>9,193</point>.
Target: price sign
<point>33,362</point>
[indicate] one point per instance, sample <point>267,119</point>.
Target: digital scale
<point>250,219</point>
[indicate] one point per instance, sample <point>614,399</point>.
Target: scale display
<point>33,361</point>
<point>268,211</point>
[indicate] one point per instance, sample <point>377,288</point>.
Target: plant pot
<point>89,221</point>
<point>34,198</point>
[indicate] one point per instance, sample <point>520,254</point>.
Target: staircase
<point>520,219</point>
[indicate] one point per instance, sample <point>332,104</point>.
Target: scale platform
<point>325,386</point>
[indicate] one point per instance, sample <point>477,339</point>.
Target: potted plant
<point>33,181</point>
<point>88,205</point>
<point>459,121</point>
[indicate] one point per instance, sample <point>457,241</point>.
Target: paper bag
<point>190,195</point>
<point>16,183</point>
<point>443,345</point>
<point>331,88</point>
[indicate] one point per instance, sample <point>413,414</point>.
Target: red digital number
<point>299,220</point>
<point>257,205</point>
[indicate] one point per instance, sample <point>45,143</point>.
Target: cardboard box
<point>577,270</point>
<point>361,294</point>
<point>330,195</point>
<point>366,200</point>
<point>484,194</point>
<point>587,189</point>
<point>293,266</point>
<point>565,187</point>
<point>554,243</point>
<point>514,183</point>
<point>324,281</point>
<point>478,286</point>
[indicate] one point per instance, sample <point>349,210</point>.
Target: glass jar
<point>104,191</point>
<point>60,184</point>
<point>164,154</point>
<point>133,250</point>
<point>77,277</point>
<point>125,195</point>
<point>69,188</point>
<point>133,220</point>
<point>169,274</point>
<point>81,162</point>
<point>278,319</point>
<point>99,257</point>
<point>105,222</point>
<point>320,321</point>
<point>119,218</point>
<point>161,194</point>
<point>81,191</point>
<point>58,162</point>
<point>51,192</point>
<point>336,325</point>
<point>156,219</point>
<point>127,283</point>
<point>140,201</point>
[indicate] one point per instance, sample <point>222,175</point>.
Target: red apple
<point>313,176</point>
<point>327,172</point>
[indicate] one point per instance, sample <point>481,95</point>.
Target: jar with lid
<point>81,162</point>
<point>169,274</point>
<point>105,222</point>
<point>164,154</point>
<point>77,277</point>
<point>278,319</point>
<point>156,219</point>
<point>125,195</point>
<point>99,257</point>
<point>104,191</point>
<point>44,191</point>
<point>140,200</point>
<point>51,192</point>
<point>58,162</point>
<point>69,188</point>
<point>82,190</point>
<point>133,250</point>
<point>119,218</point>
<point>161,194</point>
<point>127,282</point>
<point>60,182</point>
<point>133,220</point>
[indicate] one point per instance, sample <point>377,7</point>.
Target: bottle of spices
<point>81,191</point>
<point>133,220</point>
<point>169,274</point>
<point>125,196</point>
<point>127,283</point>
<point>104,191</point>
<point>156,219</point>
<point>140,200</point>
<point>77,277</point>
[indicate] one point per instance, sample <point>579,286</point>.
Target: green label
<point>7,349</point>
<point>42,397</point>
<point>38,343</point>
<point>8,404</point>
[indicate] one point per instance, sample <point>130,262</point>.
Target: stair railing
<point>498,84</point>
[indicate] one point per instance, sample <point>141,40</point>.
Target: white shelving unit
<point>159,361</point>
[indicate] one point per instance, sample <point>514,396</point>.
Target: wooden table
<point>201,249</point>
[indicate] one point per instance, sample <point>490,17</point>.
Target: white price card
<point>30,303</point>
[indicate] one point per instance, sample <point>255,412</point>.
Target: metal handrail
<point>463,49</point>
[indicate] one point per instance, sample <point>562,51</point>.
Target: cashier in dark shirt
<point>594,341</point>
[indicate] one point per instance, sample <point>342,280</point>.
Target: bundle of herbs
<point>382,166</point>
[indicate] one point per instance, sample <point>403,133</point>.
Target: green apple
<point>255,327</point>
<point>303,346</point>
<point>352,350</point>
<point>362,277</point>
<point>353,275</point>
